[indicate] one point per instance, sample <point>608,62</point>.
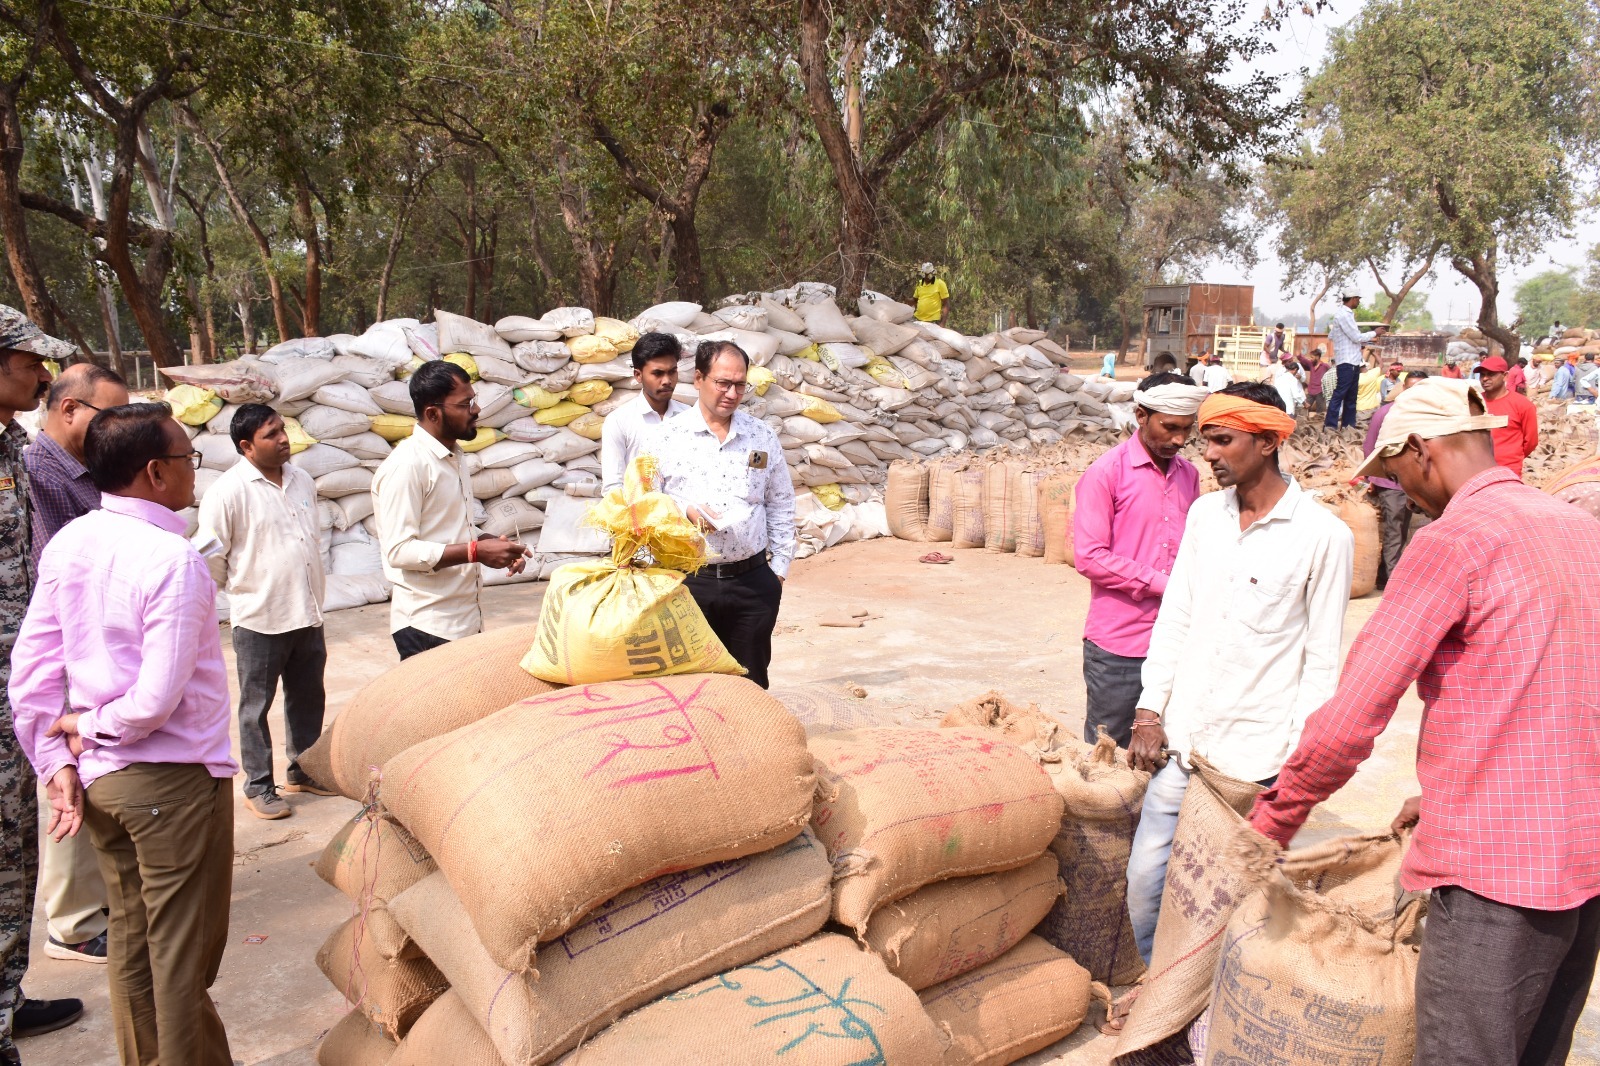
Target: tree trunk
<point>1411,282</point>
<point>596,258</point>
<point>243,310</point>
<point>280,307</point>
<point>141,288</point>
<point>1027,307</point>
<point>25,273</point>
<point>469,235</point>
<point>306,219</point>
<point>1311,316</point>
<point>1482,270</point>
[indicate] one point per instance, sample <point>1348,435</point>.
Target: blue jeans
<point>1342,404</point>
<point>1152,844</point>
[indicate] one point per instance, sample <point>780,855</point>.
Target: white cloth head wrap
<point>1172,399</point>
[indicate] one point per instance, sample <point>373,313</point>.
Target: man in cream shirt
<point>1246,644</point>
<point>266,551</point>
<point>629,427</point>
<point>423,504</point>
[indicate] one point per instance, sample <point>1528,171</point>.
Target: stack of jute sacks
<point>1023,502</point>
<point>664,854</point>
<point>646,847</point>
<point>847,396</point>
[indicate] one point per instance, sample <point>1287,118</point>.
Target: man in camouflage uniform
<point>24,380</point>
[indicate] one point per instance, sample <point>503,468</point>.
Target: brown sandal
<point>937,557</point>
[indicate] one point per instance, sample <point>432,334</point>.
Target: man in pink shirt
<point>123,627</point>
<point>1128,516</point>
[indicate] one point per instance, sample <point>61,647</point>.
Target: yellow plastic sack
<point>621,335</point>
<point>560,414</point>
<point>818,410</point>
<point>192,405</point>
<point>760,377</point>
<point>391,427</point>
<point>811,352</point>
<point>410,368</point>
<point>829,495</point>
<point>299,439</point>
<point>589,393</point>
<point>535,397</point>
<point>610,619</point>
<point>587,425</point>
<point>485,437</point>
<point>593,349</point>
<point>885,372</point>
<point>465,362</point>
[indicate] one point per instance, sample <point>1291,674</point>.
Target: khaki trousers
<point>70,886</point>
<point>164,835</point>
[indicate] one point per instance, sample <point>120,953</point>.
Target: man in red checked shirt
<point>1497,639</point>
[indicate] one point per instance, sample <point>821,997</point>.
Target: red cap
<point>1494,365</point>
<point>1397,365</point>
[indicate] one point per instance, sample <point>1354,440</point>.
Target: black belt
<point>724,570</point>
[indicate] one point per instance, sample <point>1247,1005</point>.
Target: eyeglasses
<point>193,457</point>
<point>469,405</point>
<point>86,403</point>
<point>736,387</point>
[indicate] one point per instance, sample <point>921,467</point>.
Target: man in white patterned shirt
<point>726,469</point>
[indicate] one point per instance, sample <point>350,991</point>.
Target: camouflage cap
<point>17,332</point>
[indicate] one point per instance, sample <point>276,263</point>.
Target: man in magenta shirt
<point>1128,516</point>
<point>123,627</point>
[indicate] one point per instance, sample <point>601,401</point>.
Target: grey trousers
<point>1394,523</point>
<point>1500,985</point>
<point>298,657</point>
<point>1112,685</point>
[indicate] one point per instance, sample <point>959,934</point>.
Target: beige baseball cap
<point>1435,407</point>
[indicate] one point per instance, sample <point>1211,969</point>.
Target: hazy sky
<point>1302,44</point>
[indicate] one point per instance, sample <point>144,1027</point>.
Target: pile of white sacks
<point>847,396</point>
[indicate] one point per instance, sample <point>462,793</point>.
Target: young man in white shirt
<point>422,505</point>
<point>655,368</point>
<point>1246,644</point>
<point>725,467</point>
<point>262,514</point>
<point>1217,377</point>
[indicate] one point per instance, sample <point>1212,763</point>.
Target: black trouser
<point>1500,985</point>
<point>409,642</point>
<point>1342,404</point>
<point>743,611</point>
<point>298,657</point>
<point>1394,523</point>
<point>1112,684</point>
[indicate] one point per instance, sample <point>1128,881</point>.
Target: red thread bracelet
<point>472,551</point>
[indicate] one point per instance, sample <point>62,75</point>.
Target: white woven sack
<point>507,453</point>
<point>394,398</point>
<point>518,328</point>
<point>344,482</point>
<point>324,422</point>
<point>563,446</point>
<point>740,316</point>
<point>297,379</point>
<point>320,459</point>
<point>458,333</point>
<point>347,396</point>
<point>217,452</point>
<point>571,321</point>
<point>384,342</point>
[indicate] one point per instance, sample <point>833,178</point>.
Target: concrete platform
<point>938,635</point>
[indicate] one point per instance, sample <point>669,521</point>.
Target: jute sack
<point>444,1034</point>
<point>1025,725</point>
<point>906,501</point>
<point>1027,526</point>
<point>391,993</point>
<point>543,811</point>
<point>941,501</point>
<point>966,508</point>
<point>1206,882</point>
<point>1362,518</point>
<point>823,1003</point>
<point>901,808</point>
<point>953,926</point>
<point>999,480</point>
<point>1055,516</point>
<point>1103,796</point>
<point>648,941</point>
<point>1304,981</point>
<point>608,619</point>
<point>354,1041</point>
<point>373,859</point>
<point>425,696</point>
<point>1025,1000</point>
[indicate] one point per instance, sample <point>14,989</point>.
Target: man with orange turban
<point>1246,644</point>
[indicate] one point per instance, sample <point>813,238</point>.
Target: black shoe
<point>92,950</point>
<point>10,1057</point>
<point>39,1016</point>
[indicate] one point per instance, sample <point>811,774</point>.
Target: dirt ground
<point>936,635</point>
